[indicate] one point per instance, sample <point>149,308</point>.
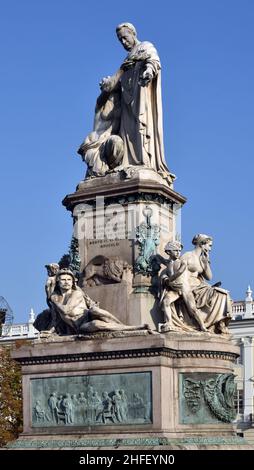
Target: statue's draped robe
<point>141,110</point>
<point>106,123</point>
<point>134,113</point>
<point>213,303</point>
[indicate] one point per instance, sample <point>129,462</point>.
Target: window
<point>240,359</point>
<point>239,401</point>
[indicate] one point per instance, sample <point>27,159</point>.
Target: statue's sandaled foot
<point>165,327</point>
<point>222,328</point>
<point>47,333</point>
<point>202,327</point>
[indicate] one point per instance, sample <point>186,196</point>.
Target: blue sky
<point>53,54</point>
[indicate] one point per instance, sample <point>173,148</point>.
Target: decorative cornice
<point>127,354</point>
<point>128,192</point>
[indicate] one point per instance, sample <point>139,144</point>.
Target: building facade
<point>19,331</point>
<point>242,328</point>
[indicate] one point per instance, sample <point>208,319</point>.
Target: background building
<point>242,328</point>
<point>11,332</point>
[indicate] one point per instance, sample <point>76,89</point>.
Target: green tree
<point>10,397</point>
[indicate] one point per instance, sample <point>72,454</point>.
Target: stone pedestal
<point>108,213</point>
<point>128,390</point>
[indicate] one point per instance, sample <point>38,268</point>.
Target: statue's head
<point>173,249</point>
<point>203,240</point>
<point>52,268</point>
<point>65,279</point>
<point>127,35</point>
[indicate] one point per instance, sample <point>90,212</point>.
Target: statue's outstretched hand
<point>106,84</point>
<point>145,78</point>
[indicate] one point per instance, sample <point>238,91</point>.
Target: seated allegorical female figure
<point>212,303</point>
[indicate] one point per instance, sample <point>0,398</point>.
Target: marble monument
<point>134,349</point>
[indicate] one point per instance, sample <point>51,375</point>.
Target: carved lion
<point>103,270</point>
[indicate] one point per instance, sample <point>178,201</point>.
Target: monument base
<point>149,444</point>
<point>121,390</point>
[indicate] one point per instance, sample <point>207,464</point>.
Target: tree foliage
<point>10,397</point>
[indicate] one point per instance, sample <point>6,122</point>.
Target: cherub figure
<point>50,285</point>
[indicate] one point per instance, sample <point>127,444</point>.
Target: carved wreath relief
<point>207,398</point>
